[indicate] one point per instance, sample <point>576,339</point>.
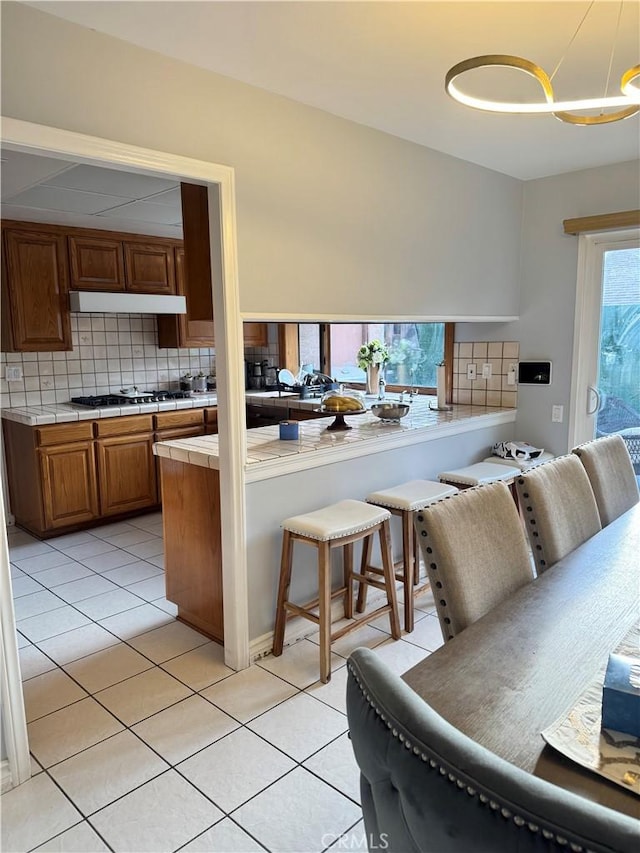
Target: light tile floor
<point>143,740</point>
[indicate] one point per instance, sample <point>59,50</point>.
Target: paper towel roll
<point>441,387</point>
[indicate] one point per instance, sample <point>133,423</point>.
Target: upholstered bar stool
<point>522,464</point>
<point>338,525</point>
<point>404,500</point>
<point>481,473</point>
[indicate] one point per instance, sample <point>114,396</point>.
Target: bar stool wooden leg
<point>348,579</point>
<point>283,592</point>
<point>362,588</point>
<point>408,572</point>
<point>324,582</point>
<point>390,578</point>
<point>416,554</point>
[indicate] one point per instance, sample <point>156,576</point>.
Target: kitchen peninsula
<point>284,478</point>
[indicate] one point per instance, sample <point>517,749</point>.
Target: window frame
<point>290,352</point>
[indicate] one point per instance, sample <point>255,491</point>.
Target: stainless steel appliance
<point>128,398</point>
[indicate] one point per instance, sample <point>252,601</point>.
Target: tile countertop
<point>268,456</point>
<point>57,413</point>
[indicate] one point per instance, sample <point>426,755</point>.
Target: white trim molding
<point>54,142</point>
<point>586,330</point>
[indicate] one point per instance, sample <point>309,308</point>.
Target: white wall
<point>548,276</point>
<point>333,218</point>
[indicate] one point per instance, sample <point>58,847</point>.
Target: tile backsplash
<point>494,391</point>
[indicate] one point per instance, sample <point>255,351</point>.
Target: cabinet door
<point>96,263</point>
<point>149,268</point>
<point>255,334</point>
<point>37,287</point>
<point>69,488</point>
<point>127,473</point>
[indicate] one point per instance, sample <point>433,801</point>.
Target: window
<point>415,350</point>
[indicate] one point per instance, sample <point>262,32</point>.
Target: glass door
<point>606,388</point>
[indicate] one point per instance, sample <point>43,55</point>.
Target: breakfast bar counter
<point>285,478</point>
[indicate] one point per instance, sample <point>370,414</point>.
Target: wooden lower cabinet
<point>67,476</point>
<point>193,550</point>
<point>126,473</point>
<point>69,486</point>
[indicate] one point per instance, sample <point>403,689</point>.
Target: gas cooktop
<point>122,399</point>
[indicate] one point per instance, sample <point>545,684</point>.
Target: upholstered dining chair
<point>428,788</point>
<point>475,553</point>
<point>610,470</point>
<point>558,507</point>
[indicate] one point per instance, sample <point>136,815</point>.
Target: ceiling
<point>383,64</point>
<point>43,189</point>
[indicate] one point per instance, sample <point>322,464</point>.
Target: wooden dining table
<point>518,669</point>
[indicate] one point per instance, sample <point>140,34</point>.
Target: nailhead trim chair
<point>475,552</point>
<point>428,788</point>
<point>558,507</point>
<point>403,501</point>
<point>338,525</point>
<point>610,470</point>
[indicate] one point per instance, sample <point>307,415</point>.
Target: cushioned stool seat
<point>522,464</point>
<point>479,473</point>
<point>404,500</point>
<point>338,525</point>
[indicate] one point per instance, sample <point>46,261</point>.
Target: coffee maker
<point>256,374</point>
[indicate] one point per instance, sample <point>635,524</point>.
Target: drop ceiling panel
<point>57,198</point>
<point>21,171</point>
<point>142,211</point>
<point>111,182</point>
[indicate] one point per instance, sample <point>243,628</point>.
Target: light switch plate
<point>471,371</point>
<point>557,414</point>
<point>486,371</point>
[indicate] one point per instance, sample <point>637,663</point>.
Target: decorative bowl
<point>390,411</point>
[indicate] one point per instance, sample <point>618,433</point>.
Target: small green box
<point>621,695</point>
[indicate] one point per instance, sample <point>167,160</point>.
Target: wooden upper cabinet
<point>35,285</point>
<point>149,268</point>
<point>97,263</point>
<point>193,277</point>
<point>255,334</point>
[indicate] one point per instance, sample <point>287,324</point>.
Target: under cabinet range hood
<point>125,303</point>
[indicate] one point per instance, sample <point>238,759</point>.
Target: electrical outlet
<point>511,375</point>
<point>13,374</point>
<point>557,414</point>
<point>471,371</point>
<point>486,371</point>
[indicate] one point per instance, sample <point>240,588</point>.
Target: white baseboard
<point>298,628</point>
<point>6,777</point>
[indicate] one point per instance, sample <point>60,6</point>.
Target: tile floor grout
<point>290,677</point>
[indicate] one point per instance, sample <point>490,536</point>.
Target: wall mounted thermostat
<point>534,373</point>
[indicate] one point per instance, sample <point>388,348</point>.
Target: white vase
<point>373,374</point>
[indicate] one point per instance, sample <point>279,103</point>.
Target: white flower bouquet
<point>373,352</point>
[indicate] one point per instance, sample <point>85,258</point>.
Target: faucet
<point>381,388</point>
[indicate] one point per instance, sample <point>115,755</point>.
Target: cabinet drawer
<point>169,420</point>
<point>180,432</point>
<point>126,425</point>
<point>211,421</point>
<point>63,433</point>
